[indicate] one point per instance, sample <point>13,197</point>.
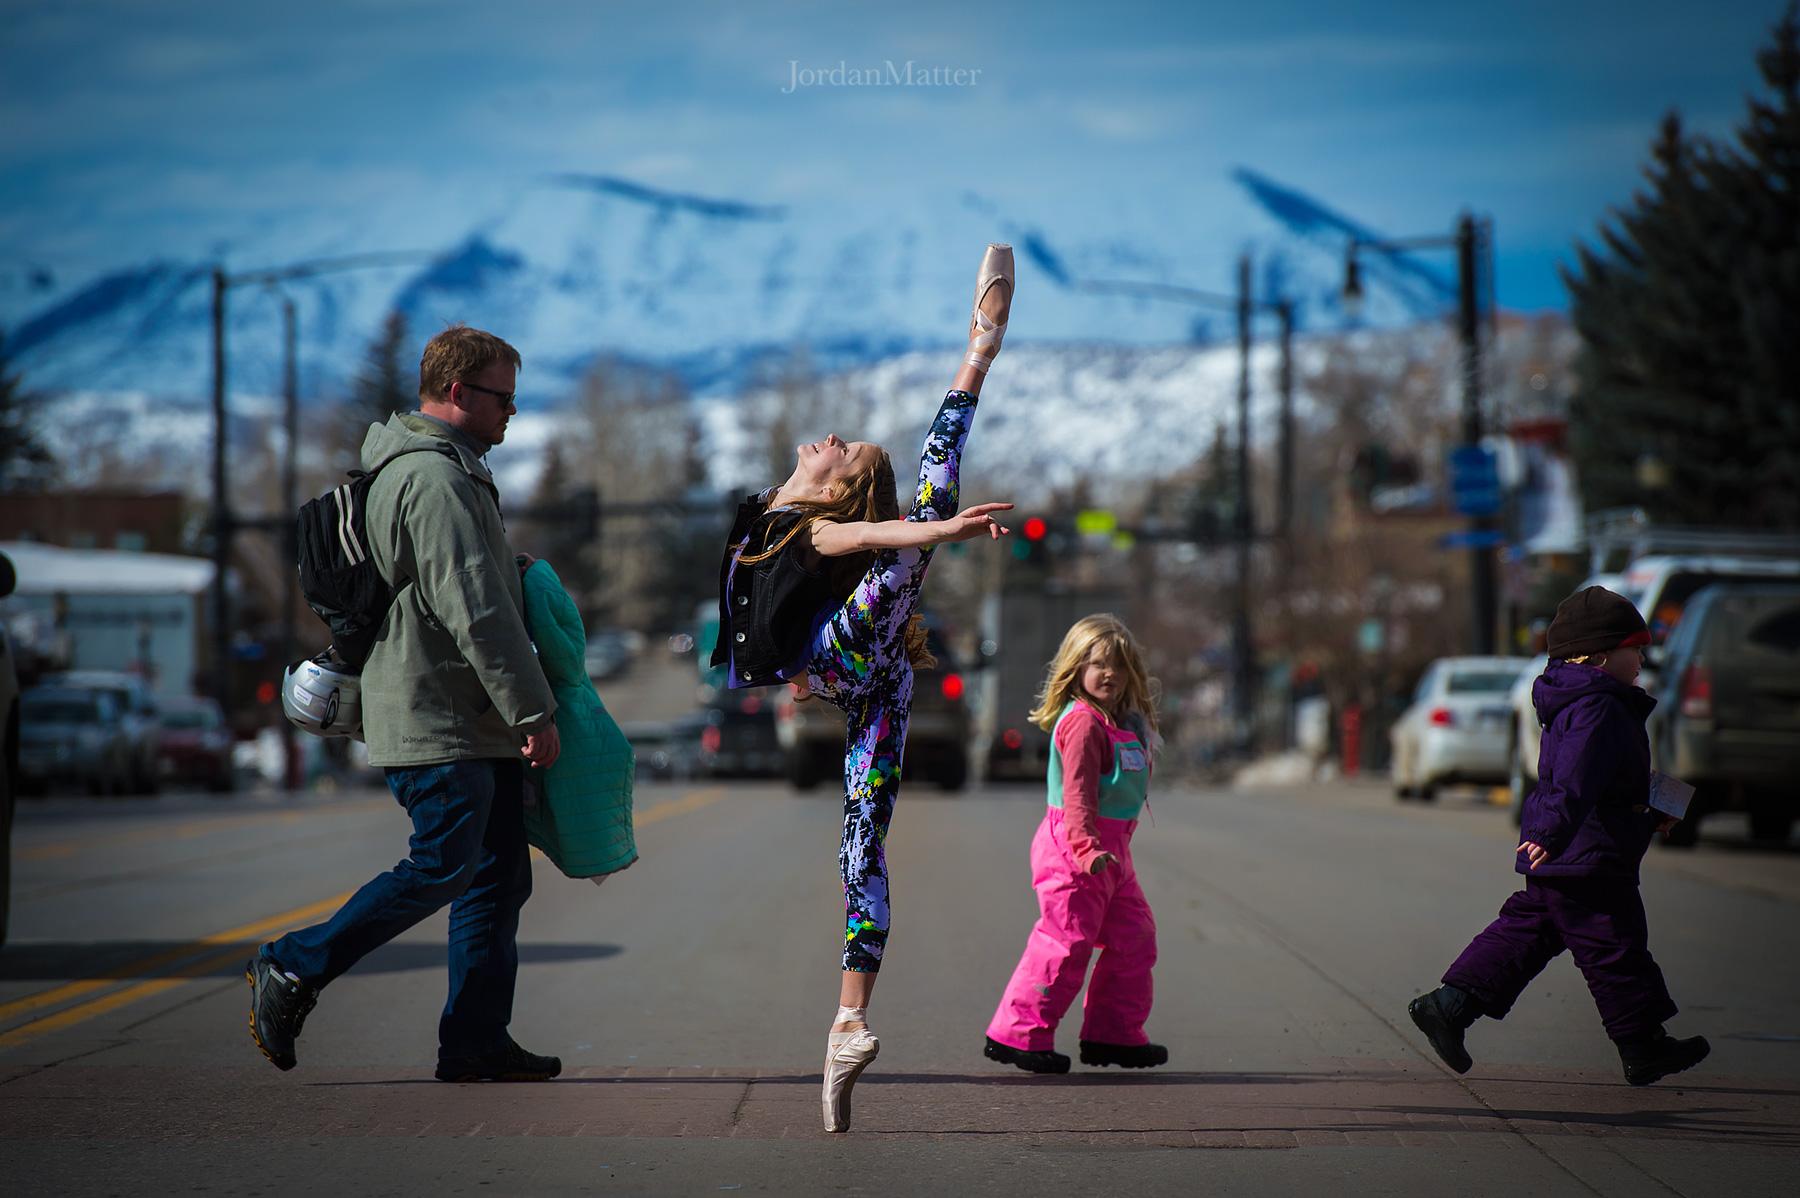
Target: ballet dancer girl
<point>819,588</point>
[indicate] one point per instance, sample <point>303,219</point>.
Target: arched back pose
<point>819,587</point>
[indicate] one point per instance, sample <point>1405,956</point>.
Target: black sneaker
<point>1655,1058</point>
<point>1444,1018</point>
<point>1031,1062</point>
<point>1126,1056</point>
<point>508,1064</point>
<point>278,1009</point>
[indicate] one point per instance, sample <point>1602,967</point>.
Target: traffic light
<point>1033,542</point>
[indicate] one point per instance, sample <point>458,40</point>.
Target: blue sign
<point>1474,538</point>
<point>1474,480</point>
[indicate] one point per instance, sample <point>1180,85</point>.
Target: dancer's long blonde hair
<point>1063,683</point>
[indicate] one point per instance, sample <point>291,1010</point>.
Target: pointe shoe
<point>847,1054</point>
<point>985,334</point>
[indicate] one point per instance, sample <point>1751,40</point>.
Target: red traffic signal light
<point>1035,528</point>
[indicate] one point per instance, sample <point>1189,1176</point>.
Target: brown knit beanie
<point>1594,620</point>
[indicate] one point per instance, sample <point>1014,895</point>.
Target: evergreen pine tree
<point>1214,496</point>
<point>1686,313</point>
<point>560,532</point>
<point>24,460</point>
<point>383,386</point>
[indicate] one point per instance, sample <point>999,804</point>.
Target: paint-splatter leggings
<point>858,661</point>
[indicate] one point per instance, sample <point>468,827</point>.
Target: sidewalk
<point>1571,1132</point>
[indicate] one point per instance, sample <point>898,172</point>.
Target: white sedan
<point>1456,729</point>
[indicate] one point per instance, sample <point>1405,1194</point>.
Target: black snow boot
<point>1444,1015</point>
<point>1654,1057</point>
<point>1048,1061</point>
<point>1126,1056</point>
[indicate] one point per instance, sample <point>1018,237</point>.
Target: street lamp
<point>224,522</point>
<point>1474,245</point>
<point>1243,649</point>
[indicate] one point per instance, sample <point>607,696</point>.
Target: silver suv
<point>131,695</point>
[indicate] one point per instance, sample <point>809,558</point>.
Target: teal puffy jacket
<point>582,819</point>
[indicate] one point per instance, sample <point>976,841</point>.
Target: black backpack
<point>337,576</point>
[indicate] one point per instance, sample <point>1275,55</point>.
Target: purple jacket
<point>1593,770</point>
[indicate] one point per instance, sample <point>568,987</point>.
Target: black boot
<point>1654,1057</point>
<point>508,1063</point>
<point>1030,1062</point>
<point>1126,1056</point>
<point>279,1006</point>
<point>1444,1015</point>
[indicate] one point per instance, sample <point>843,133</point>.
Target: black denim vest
<point>766,608</point>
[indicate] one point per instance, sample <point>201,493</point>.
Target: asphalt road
<point>689,998</point>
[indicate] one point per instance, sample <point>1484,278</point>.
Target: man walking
<point>454,705</point>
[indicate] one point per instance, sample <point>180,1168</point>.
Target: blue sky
<point>138,130</point>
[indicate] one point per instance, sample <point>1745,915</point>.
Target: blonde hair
<point>458,354</point>
<point>867,495</point>
<point>1107,633</point>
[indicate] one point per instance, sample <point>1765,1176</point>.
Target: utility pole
<point>1243,303</point>
<point>290,504</point>
<point>222,516</point>
<point>224,522</point>
<point>1482,527</point>
<point>1473,242</point>
<point>1284,498</point>
<point>1243,665</point>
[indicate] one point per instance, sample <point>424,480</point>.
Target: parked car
<point>73,734</point>
<point>194,745</point>
<point>1727,719</point>
<point>812,731</point>
<point>737,735</point>
<point>609,651</point>
<point>666,750</point>
<point>9,748</point>
<point>137,712</point>
<point>1456,727</point>
<point>1524,735</point>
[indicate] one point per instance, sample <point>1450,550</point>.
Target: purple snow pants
<point>1600,921</point>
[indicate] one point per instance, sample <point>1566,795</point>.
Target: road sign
<point>1475,480</point>
<point>1474,538</point>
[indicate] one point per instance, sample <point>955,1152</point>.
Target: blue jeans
<point>468,850</point>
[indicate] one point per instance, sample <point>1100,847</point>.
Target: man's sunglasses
<point>505,397</point>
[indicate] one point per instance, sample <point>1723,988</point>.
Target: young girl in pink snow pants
<point>1096,706</point>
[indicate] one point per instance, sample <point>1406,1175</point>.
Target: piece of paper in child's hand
<point>1670,795</point>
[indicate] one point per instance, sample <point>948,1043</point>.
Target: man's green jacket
<point>452,675</point>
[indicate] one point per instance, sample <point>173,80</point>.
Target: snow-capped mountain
<point>580,266</point>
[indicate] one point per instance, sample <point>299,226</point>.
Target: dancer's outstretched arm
<point>859,536</point>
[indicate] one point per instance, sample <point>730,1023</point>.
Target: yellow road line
<point>93,1007</point>
<point>82,1012</point>
<point>186,830</point>
<point>691,801</point>
<point>298,917</point>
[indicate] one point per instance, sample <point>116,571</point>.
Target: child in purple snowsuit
<point>1584,831</point>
